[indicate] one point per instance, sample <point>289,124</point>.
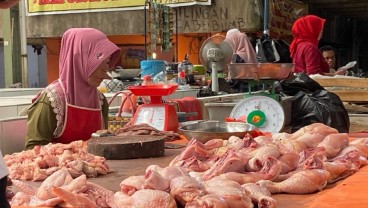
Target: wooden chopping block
<point>127,147</point>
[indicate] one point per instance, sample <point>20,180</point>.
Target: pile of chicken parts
<point>238,172</point>
<point>40,162</point>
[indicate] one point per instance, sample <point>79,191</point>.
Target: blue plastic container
<point>152,67</point>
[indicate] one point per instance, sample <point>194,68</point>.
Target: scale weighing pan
<point>155,91</point>
<point>272,71</point>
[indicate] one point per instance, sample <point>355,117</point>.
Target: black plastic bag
<point>283,50</point>
<point>299,82</point>
<point>266,52</point>
<point>313,104</point>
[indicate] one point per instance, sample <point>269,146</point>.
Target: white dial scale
<point>157,114</point>
<point>264,112</point>
<point>152,115</point>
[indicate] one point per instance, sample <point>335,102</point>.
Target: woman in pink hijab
<point>241,46</point>
<point>243,52</point>
<point>71,108</point>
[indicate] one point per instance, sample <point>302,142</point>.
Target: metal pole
<point>176,35</point>
<point>23,43</point>
<point>265,17</point>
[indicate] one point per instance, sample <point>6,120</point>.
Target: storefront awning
<point>45,7</point>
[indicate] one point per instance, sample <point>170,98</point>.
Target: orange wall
<point>187,44</point>
<point>53,51</point>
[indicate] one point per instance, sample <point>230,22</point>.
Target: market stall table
<point>349,192</point>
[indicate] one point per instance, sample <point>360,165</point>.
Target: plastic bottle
<point>181,74</point>
<point>147,80</point>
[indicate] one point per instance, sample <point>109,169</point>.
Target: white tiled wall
<point>8,111</point>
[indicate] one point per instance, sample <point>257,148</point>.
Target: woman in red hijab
<point>307,58</point>
<point>71,108</point>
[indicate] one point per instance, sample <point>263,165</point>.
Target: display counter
<point>346,193</point>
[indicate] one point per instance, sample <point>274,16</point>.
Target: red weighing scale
<point>161,116</point>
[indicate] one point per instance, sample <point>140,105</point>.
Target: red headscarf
<point>306,29</point>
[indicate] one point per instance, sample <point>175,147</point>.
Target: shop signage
<point>220,17</point>
<point>44,7</point>
<point>282,16</point>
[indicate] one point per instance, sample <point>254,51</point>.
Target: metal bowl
<point>276,71</point>
<point>205,131</point>
<point>125,74</point>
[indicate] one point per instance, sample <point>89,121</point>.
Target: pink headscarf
<point>241,45</point>
<point>306,29</point>
<point>82,51</point>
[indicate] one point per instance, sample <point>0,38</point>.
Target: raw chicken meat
<point>154,180</point>
<point>76,200</point>
<point>271,169</point>
<point>260,196</point>
<point>231,162</point>
<point>145,198</point>
<point>289,162</point>
<point>40,162</point>
<point>259,156</point>
<point>361,145</point>
<point>159,178</point>
<point>302,182</point>
<point>184,189</point>
<point>208,201</point>
<point>132,184</point>
<point>57,179</point>
<point>234,197</point>
<point>218,181</point>
<point>306,137</point>
<point>334,143</point>
<point>313,134</point>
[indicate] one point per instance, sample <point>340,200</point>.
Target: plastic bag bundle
<point>312,103</point>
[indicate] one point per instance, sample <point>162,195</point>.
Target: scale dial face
<point>263,112</point>
<point>151,115</point>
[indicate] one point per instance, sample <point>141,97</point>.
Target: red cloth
<point>188,105</point>
<point>308,59</point>
<point>304,47</point>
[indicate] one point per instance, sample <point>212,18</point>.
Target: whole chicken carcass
<point>302,182</point>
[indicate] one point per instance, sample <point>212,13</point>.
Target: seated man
<point>329,54</point>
